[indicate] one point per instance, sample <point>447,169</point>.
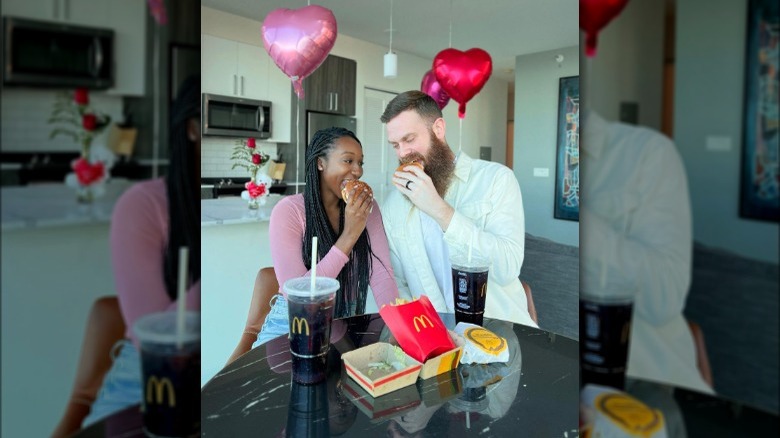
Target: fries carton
<point>381,368</point>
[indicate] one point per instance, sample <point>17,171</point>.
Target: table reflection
<point>255,394</point>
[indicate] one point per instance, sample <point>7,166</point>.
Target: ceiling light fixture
<point>391,59</point>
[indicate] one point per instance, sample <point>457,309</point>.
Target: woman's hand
<point>356,214</point>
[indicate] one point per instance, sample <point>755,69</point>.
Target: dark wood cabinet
<point>331,88</point>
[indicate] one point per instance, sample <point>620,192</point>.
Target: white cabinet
<point>234,68</point>
<point>80,12</point>
<point>127,18</point>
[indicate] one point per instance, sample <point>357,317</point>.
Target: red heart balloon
<point>299,40</point>
<point>594,15</point>
<point>462,74</point>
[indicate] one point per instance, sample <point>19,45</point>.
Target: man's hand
<point>416,185</point>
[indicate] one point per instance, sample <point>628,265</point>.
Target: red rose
<point>81,96</point>
<point>88,173</point>
<point>255,190</point>
<point>256,159</point>
<point>89,122</point>
<point>250,143</point>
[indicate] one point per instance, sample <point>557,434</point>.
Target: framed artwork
<point>760,179</point>
<point>567,169</point>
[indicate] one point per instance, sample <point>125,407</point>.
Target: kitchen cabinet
<point>233,68</point>
<point>127,18</point>
<point>331,88</point>
<point>81,12</point>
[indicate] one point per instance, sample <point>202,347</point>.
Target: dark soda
<point>310,338</point>
<point>470,287</point>
<point>605,330</point>
<point>171,392</point>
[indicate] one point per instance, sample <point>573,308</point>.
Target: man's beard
<point>439,164</point>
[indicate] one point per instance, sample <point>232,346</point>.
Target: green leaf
<point>57,132</point>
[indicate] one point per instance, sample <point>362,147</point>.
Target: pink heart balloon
<point>432,87</point>
<point>299,40</point>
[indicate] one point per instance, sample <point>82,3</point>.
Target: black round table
<point>535,394</point>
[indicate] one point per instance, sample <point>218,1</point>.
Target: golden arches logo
<point>298,323</point>
<point>422,320</point>
<point>159,388</point>
<point>484,288</point>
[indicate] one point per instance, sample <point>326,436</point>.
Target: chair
<point>702,359</point>
<point>105,327</point>
<point>530,299</point>
<point>265,288</point>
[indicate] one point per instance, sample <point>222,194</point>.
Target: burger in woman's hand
<point>349,184</point>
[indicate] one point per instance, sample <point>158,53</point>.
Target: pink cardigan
<point>288,220</point>
<point>139,234</point>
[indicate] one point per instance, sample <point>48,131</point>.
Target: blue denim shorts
<point>277,322</point>
<point>122,384</point>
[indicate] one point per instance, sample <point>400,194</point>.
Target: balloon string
<point>297,142</point>
<point>460,135</point>
<point>450,24</point>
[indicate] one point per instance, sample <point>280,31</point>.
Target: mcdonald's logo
<point>159,388</point>
<point>299,323</point>
<point>484,288</point>
<point>422,320</point>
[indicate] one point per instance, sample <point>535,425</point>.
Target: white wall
<point>628,65</point>
<point>485,122</point>
<point>536,131</point>
<point>709,84</point>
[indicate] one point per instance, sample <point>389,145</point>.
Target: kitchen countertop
<point>234,210</point>
<point>54,204</point>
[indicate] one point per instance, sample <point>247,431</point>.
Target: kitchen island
<point>55,262</point>
<point>234,246</point>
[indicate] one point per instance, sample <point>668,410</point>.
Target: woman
<point>351,242</point>
<point>150,222</point>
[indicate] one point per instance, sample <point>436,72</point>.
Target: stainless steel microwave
<point>230,116</point>
<point>57,55</point>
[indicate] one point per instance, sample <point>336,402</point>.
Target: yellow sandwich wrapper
<point>481,345</point>
<point>610,413</point>
<point>381,368</point>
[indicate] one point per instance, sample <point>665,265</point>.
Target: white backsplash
<point>26,112</point>
<point>215,155</point>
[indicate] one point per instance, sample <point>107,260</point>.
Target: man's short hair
<point>415,100</point>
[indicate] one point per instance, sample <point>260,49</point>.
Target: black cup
<point>469,286</point>
<point>605,331</point>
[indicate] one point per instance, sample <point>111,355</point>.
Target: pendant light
<point>391,59</point>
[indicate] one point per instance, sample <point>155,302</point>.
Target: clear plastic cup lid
<point>301,286</point>
<point>161,328</point>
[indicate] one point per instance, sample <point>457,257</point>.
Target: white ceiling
<point>504,28</point>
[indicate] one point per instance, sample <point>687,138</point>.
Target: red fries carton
<point>418,329</point>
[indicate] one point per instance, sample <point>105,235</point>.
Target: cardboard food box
<point>379,409</point>
<point>440,388</point>
<point>444,362</point>
<point>381,368</point>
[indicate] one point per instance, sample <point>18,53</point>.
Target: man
<point>456,202</point>
<point>637,238</point>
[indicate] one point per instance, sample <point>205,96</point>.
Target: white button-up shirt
<point>635,235</point>
<point>488,212</point>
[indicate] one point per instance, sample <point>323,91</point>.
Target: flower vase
<point>85,195</point>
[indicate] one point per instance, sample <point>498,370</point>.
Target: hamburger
<point>411,163</point>
<point>349,184</point>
